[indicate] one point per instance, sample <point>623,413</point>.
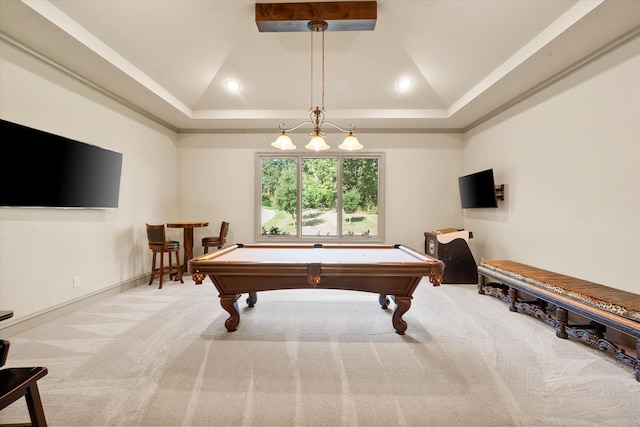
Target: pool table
<point>388,270</point>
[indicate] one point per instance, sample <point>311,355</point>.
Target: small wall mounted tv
<point>478,190</point>
<point>40,169</point>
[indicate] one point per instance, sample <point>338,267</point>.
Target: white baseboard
<point>9,328</point>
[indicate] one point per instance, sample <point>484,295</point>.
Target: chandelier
<point>316,115</point>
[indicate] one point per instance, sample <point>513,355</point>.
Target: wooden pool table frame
<point>394,279</point>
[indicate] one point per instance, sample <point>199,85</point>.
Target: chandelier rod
<point>316,115</point>
<point>323,68</point>
<point>316,26</point>
<point>311,68</point>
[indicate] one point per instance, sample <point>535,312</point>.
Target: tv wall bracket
<point>500,192</point>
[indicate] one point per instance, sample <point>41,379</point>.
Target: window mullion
<point>299,197</point>
<point>339,196</point>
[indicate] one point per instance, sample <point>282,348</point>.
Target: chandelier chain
<point>322,70</point>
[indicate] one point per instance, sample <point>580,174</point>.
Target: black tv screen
<point>41,169</point>
<point>478,190</point>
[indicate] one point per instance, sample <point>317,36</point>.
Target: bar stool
<point>159,245</point>
<point>216,241</point>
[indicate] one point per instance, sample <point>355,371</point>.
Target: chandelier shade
<point>283,142</point>
<point>316,116</point>
<point>317,143</point>
<point>350,143</point>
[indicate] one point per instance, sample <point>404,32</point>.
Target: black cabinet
<point>450,246</point>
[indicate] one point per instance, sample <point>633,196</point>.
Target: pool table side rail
<point>423,266</point>
<point>214,257</point>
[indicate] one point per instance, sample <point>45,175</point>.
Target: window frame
<point>340,238</point>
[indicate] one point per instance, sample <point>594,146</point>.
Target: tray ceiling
<point>468,59</point>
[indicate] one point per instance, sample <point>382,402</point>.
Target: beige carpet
<point>317,358</point>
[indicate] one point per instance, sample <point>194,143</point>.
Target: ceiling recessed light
<point>232,85</point>
<point>404,84</point>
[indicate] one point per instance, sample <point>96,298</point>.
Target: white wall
<point>568,157</point>
<point>201,177</point>
<point>42,250</point>
<point>217,182</point>
<point>570,160</point>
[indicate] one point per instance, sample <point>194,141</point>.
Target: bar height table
<point>187,227</point>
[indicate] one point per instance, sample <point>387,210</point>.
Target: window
<point>331,197</point>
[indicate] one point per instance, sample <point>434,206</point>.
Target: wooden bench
<point>603,306</point>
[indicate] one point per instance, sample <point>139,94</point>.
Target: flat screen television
<point>478,190</point>
<point>40,169</point>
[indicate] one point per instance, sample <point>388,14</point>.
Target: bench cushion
<point>616,301</point>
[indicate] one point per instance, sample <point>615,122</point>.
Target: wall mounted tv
<point>478,190</point>
<point>41,169</point>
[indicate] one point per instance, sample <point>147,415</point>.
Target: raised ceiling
<point>468,59</point>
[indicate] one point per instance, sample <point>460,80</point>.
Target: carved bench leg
<point>480,284</point>
<point>638,360</point>
<point>562,316</point>
<point>513,298</point>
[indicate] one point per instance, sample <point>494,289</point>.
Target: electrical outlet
<point>76,282</point>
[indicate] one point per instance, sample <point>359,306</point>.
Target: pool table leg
<point>383,300</point>
<point>252,299</point>
<point>230,304</point>
<point>402,306</point>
